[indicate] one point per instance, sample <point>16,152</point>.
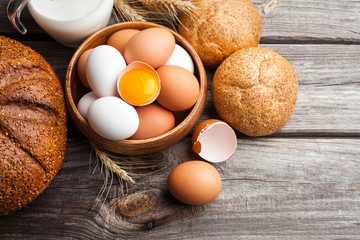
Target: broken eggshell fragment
<point>214,140</point>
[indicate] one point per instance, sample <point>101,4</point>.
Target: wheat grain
<point>125,168</point>
<point>110,166</point>
<point>161,11</point>
<point>126,12</point>
<point>169,5</point>
<point>270,6</point>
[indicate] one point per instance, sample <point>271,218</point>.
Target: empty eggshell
<point>85,102</point>
<point>103,67</point>
<point>214,140</point>
<point>81,68</point>
<point>180,57</point>
<point>113,118</point>
<point>194,182</point>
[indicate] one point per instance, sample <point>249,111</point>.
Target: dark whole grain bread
<point>32,125</point>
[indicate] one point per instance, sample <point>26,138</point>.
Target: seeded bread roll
<point>217,28</point>
<point>255,91</point>
<point>32,125</point>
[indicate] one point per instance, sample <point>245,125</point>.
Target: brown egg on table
<point>81,68</point>
<point>194,183</point>
<point>120,38</point>
<point>214,140</point>
<point>153,46</point>
<point>179,88</point>
<point>154,120</point>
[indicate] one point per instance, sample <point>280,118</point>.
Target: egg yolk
<point>139,87</point>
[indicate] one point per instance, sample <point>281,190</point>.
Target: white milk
<point>71,21</point>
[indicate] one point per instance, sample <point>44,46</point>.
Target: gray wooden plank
<point>329,89</point>
<point>278,187</point>
<point>275,188</point>
<point>310,21</point>
<point>290,21</point>
<point>329,86</point>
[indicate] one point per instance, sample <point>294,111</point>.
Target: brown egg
<point>194,183</point>
<point>153,46</point>
<point>81,69</point>
<point>154,120</point>
<point>120,38</point>
<point>179,88</point>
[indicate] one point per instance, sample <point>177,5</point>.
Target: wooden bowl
<point>185,121</point>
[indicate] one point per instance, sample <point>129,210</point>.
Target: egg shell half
<point>154,121</point>
<point>179,88</point>
<point>103,66</point>
<point>194,182</point>
<point>153,46</point>
<point>214,140</point>
<point>113,118</point>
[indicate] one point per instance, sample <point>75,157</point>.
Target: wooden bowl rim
<point>199,105</point>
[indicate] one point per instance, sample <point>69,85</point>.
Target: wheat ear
<point>123,10</point>
<point>110,166</point>
<point>169,5</point>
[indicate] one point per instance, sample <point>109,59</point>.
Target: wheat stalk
<point>270,6</point>
<point>111,166</point>
<point>123,168</point>
<point>166,11</point>
<point>123,10</point>
<point>169,5</point>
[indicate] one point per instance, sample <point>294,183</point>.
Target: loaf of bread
<point>217,28</point>
<point>255,91</point>
<point>32,125</point>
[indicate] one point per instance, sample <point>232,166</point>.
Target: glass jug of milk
<point>68,21</point>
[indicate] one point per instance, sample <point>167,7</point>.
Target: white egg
<point>84,103</point>
<point>180,57</point>
<point>113,118</point>
<point>103,67</point>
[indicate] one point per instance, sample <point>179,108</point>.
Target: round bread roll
<point>32,125</point>
<point>255,91</point>
<point>218,28</point>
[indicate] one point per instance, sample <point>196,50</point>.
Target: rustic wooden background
<point>302,182</point>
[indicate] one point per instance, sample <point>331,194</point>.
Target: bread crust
<point>32,125</point>
<point>217,28</point>
<point>255,91</point>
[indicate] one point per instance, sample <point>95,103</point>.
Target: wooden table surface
<point>302,182</point>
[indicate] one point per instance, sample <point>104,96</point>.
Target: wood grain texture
<point>329,77</point>
<point>329,86</point>
<point>302,182</point>
<point>290,21</point>
<point>290,189</point>
<point>310,21</point>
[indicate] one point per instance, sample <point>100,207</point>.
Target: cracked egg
<point>214,140</point>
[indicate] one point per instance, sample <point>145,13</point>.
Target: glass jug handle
<point>14,10</point>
